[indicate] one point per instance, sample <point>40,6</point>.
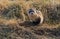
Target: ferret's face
<point>32,15</point>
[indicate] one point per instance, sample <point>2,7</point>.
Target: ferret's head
<point>31,11</point>
<point>34,14</point>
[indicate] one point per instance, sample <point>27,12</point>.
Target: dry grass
<point>13,12</point>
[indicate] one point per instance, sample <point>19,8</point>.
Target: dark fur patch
<point>31,10</point>
<point>37,21</point>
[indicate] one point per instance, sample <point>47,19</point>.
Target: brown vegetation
<point>13,12</point>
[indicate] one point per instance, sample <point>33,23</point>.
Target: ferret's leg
<point>41,16</point>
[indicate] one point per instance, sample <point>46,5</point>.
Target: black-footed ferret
<point>35,16</point>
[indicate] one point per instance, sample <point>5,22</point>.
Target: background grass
<point>13,9</point>
<point>12,13</point>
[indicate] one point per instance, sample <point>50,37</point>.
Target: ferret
<point>35,16</point>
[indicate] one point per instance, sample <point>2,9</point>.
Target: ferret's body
<point>35,16</point>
